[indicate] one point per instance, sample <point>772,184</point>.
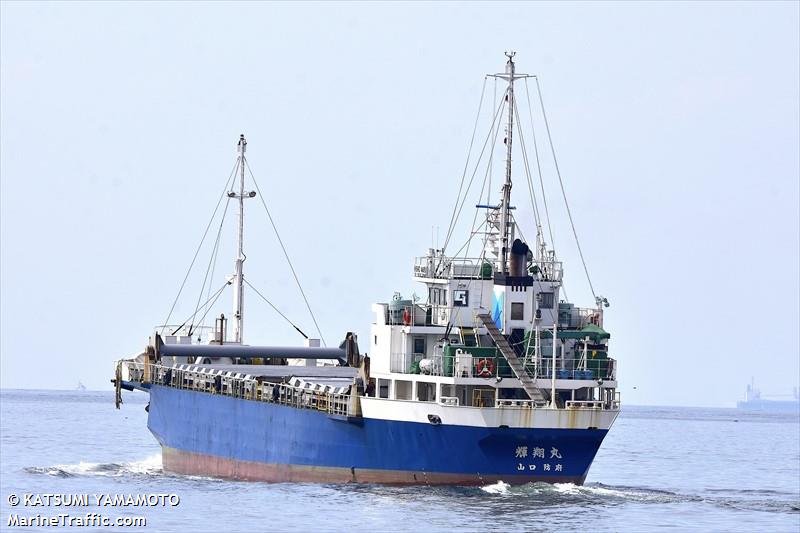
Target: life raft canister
<point>485,368</point>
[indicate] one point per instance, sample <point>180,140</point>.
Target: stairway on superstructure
<point>517,367</point>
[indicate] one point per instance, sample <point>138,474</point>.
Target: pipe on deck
<point>251,352</point>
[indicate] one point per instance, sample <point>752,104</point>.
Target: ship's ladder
<point>534,392</point>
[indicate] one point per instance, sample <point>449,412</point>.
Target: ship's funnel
<point>519,256</point>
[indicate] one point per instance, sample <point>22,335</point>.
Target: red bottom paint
<point>196,464</point>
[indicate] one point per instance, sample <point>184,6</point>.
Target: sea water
<point>659,468</point>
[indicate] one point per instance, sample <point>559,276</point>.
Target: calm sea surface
<point>659,468</point>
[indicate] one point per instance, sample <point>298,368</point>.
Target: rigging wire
<point>456,208</point>
<point>491,153</point>
<point>213,270</point>
<point>472,178</point>
<point>541,179</point>
<point>216,297</point>
<point>472,236</point>
<point>532,195</point>
<point>199,246</point>
<point>455,312</point>
<point>211,260</point>
<point>466,163</point>
<point>563,192</point>
<point>539,282</point>
<point>474,231</point>
<point>285,253</point>
<point>276,309</point>
<point>539,168</point>
<point>206,303</point>
<point>487,178</point>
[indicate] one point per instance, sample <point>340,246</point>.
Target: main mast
<point>504,213</point>
<point>238,276</point>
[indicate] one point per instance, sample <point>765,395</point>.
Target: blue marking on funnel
<point>497,309</point>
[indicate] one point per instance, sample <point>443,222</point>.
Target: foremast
<point>238,275</point>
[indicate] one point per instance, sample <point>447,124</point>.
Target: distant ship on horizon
<point>754,402</point>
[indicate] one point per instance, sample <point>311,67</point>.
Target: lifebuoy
<point>406,317</point>
<point>485,368</point>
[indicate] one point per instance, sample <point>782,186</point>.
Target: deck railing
<point>599,405</point>
<point>438,267</point>
<point>170,332</point>
<point>238,386</point>
<point>464,365</point>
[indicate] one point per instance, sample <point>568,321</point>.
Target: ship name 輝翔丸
<point>522,452</point>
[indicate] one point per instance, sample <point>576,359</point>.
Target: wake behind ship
<point>495,376</point>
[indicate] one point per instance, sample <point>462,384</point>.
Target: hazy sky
<point>676,127</point>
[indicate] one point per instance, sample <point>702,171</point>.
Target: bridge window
<point>546,301</point>
<point>419,345</point>
<point>383,388</point>
<point>426,392</point>
<point>437,296</point>
<point>518,310</point>
<point>402,390</point>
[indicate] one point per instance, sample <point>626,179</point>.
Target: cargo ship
<point>755,401</point>
<point>495,376</point>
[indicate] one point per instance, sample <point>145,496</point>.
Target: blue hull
<point>206,434</point>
